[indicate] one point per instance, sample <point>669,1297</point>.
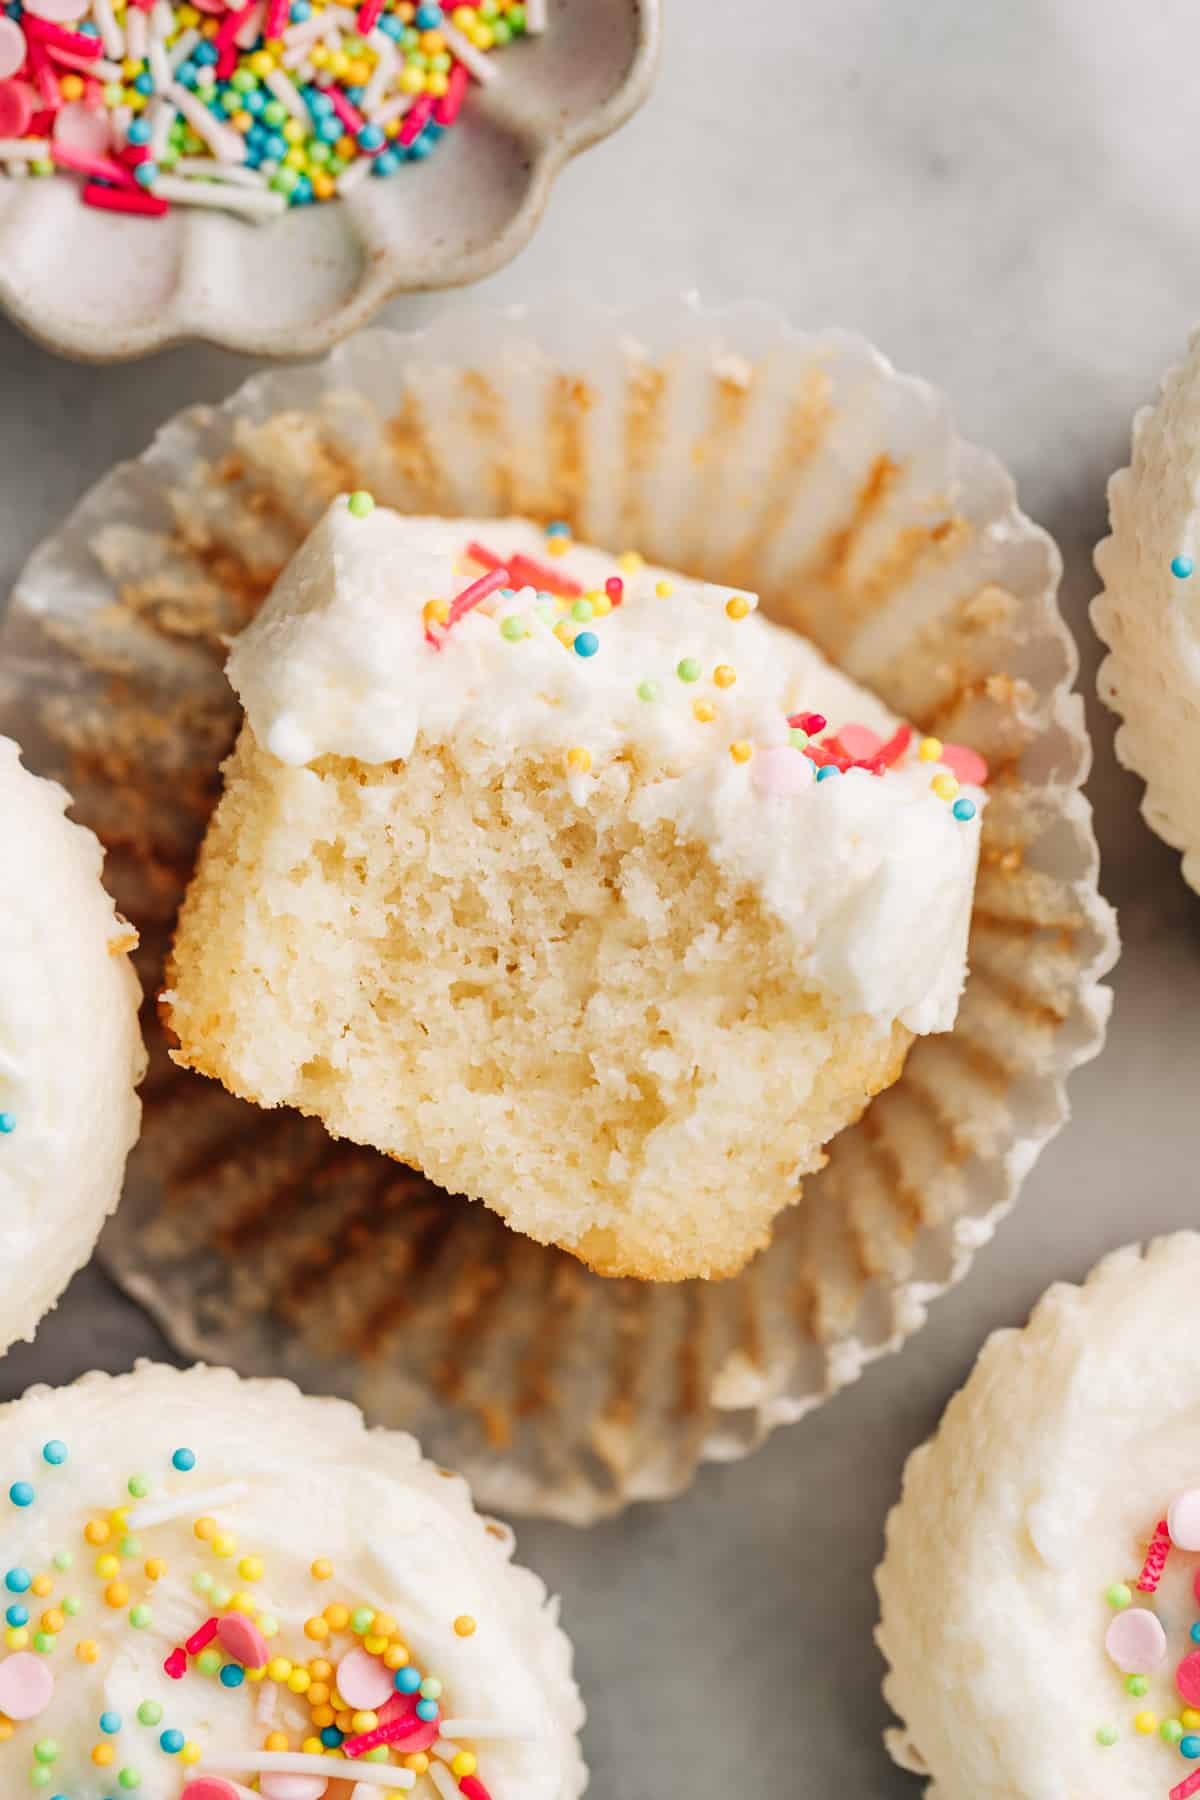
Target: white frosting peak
<point>872,875</point>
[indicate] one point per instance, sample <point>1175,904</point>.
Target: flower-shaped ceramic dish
<point>105,287</point>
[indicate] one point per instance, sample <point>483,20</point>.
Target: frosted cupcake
<point>1041,1589</point>
<point>1149,611</point>
<point>213,1583</point>
<point>70,1047</point>
<point>573,883</point>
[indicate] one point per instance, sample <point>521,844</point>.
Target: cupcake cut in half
<point>71,1050</point>
<point>569,881</point>
<point>1041,1584</point>
<point>211,1583</point>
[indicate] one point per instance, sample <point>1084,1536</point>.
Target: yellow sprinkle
<point>741,751</point>
<point>464,1626</point>
<point>276,1740</point>
<point>944,786</point>
<point>53,1620</point>
<point>434,612</point>
<point>97,1531</point>
<point>337,1617</point>
<point>418,1762</point>
<point>322,1569</point>
<point>102,1755</point>
<point>6,1730</point>
<point>190,1753</point>
<point>344,1721</point>
<point>631,562</point>
<point>705,711</point>
<point>737,606</point>
<point>41,1585</point>
<point>256,1674</point>
<point>663,588</point>
<point>601,605</point>
<point>564,631</point>
<point>1190,1717</point>
<point>318,56</point>
<point>107,1567</point>
<point>279,1668</point>
<point>317,1629</point>
<point>930,749</point>
<point>557,546</point>
<point>71,87</point>
<point>156,1568</point>
<point>116,1594</point>
<point>250,1568</point>
<point>1145,1722</point>
<point>374,1645</point>
<point>579,760</point>
<point>244,1603</point>
<point>318,1693</point>
<point>464,1764</point>
<point>16,1637</point>
<point>364,1721</point>
<point>224,1544</point>
<point>724,675</point>
<point>313,1747</point>
<point>118,1518</point>
<point>87,1650</point>
<point>395,1656</point>
<point>205,1529</point>
<point>299,1681</point>
<point>384,1626</point>
<point>322,1716</point>
<point>319,1669</point>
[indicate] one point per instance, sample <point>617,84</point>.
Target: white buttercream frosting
<point>70,1047</point>
<point>1041,1491</point>
<point>303,1480</point>
<point>874,876</point>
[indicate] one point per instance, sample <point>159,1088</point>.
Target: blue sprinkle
<point>428,1710</point>
<point>302,194</point>
<point>371,137</point>
<point>428,18</point>
<point>386,163</point>
<point>829,769</point>
<point>7,1122</point>
<point>205,55</point>
<point>392,26</point>
<point>1181,568</point>
<point>558,528</point>
<point>183,1460</point>
<point>232,1676</point>
<point>254,102</point>
<point>139,131</point>
<point>172,1742</point>
<point>187,74</point>
<point>964,810</point>
<point>407,1681</point>
<point>331,1737</point>
<point>17,1616</point>
<point>146,174</point>
<point>354,93</point>
<point>1190,1747</point>
<point>421,149</point>
<point>110,1722</point>
<point>300,11</point>
<point>17,1581</point>
<point>586,643</point>
<point>55,1453</point>
<point>144,83</point>
<point>21,1494</point>
<point>329,129</point>
<point>1194,1634</point>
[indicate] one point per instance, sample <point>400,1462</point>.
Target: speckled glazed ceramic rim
<point>388,269</point>
<point>734,446</point>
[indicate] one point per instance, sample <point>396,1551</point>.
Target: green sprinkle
<point>139,1486</point>
<point>378,1754</point>
<point>149,1712</point>
<point>1170,1731</point>
<point>40,1778</point>
<point>43,1642</point>
<point>583,610</point>
<point>42,165</point>
<point>202,1581</point>
<point>362,1621</point>
<point>46,1751</point>
<point>512,628</point>
<point>361,503</point>
<point>431,1688</point>
<point>62,1559</point>
<point>140,1617</point>
<point>72,1606</point>
<point>546,611</point>
<point>1107,1735</point>
<point>501,32</point>
<point>688,669</point>
<point>648,690</point>
<point>516,18</point>
<point>130,1546</point>
<point>1137,1685</point>
<point>268,1626</point>
<point>1118,1596</point>
<point>797,738</point>
<point>208,1662</point>
<point>129,1778</point>
<point>220,1596</point>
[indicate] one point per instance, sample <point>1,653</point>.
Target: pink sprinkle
<point>232,23</point>
<point>368,16</point>
<point>209,1787</point>
<point>391,1733</point>
<point>44,78</point>
<point>473,1788</point>
<point>102,168</point>
<point>26,1685</point>
<point>176,1664</point>
<point>292,1787</point>
<point>199,1639</point>
<point>12,47</point>
<point>858,741</point>
<point>125,200</point>
<point>82,129</point>
<point>349,114</point>
<point>1185,1789</point>
<point>810,722</point>
<point>781,770</point>
<point>526,572</point>
<point>897,744</point>
<point>1136,1641</point>
<point>1156,1559</point>
<point>56,38</point>
<point>447,108</point>
<point>1187,1678</point>
<point>243,1640</point>
<point>16,108</point>
<point>967,764</point>
<point>363,1681</point>
<point>469,598</point>
<point>277,18</point>
<point>614,587</point>
<point>415,120</point>
<point>487,559</point>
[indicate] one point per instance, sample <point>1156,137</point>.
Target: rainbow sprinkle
<point>252,106</point>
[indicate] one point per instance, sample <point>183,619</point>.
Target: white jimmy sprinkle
<point>249,203</point>
<point>111,35</point>
<point>294,1762</point>
<point>158,1512</point>
<point>224,142</point>
<point>474,60</point>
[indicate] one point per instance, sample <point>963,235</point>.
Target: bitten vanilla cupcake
<point>545,874</point>
<point>70,1047</point>
<point>212,1583</point>
<point>1041,1588</point>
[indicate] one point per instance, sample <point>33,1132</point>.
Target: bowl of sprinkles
<point>226,1618</point>
<point>265,174</point>
<point>732,447</point>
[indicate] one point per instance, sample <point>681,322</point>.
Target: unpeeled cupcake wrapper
<point>730,446</point>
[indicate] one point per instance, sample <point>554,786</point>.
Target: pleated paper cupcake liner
<point>731,446</point>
